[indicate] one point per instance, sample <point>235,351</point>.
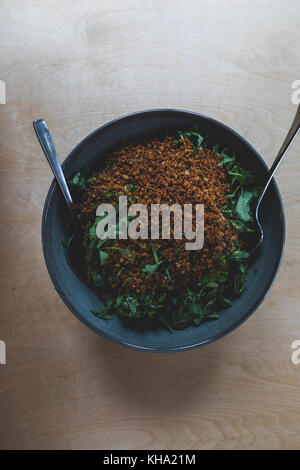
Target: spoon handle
<point>47,145</point>
<point>285,146</point>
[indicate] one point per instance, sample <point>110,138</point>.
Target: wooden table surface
<point>78,65</point>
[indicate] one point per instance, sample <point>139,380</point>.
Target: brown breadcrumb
<point>162,172</point>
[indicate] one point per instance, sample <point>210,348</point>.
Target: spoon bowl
<point>75,256</point>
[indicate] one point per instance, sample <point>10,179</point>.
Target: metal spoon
<point>285,146</point>
<point>74,247</point>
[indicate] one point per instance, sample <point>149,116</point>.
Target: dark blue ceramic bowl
<point>81,300</point>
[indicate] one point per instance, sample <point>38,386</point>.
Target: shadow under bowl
<point>81,300</point>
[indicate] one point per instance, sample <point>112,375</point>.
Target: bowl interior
<point>81,300</point>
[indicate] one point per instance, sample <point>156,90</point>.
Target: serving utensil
<point>294,129</point>
<point>74,246</point>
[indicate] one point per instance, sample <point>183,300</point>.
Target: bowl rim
<point>119,341</point>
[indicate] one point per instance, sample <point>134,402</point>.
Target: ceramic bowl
<point>81,300</point>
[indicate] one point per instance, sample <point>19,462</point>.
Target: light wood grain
<point>79,64</point>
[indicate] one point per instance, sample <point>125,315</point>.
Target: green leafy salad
<point>155,283</point>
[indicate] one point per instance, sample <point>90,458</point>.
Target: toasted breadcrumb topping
<point>158,171</point>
